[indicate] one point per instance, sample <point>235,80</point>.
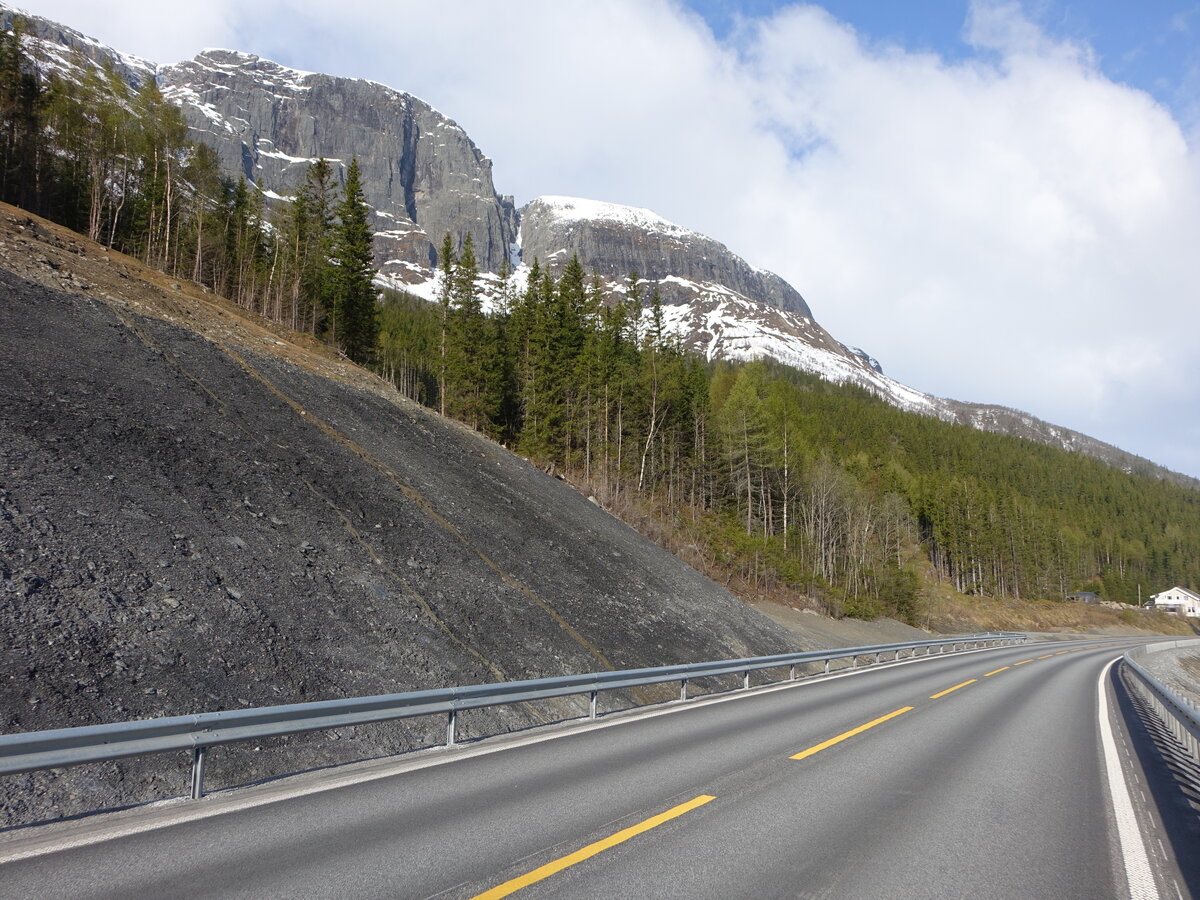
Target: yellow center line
<point>1022,662</point>
<point>1048,655</point>
<point>996,671</point>
<point>952,690</point>
<point>550,868</point>
<point>1061,652</point>
<point>849,734</point>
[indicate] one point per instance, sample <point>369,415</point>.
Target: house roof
<point>1192,594</point>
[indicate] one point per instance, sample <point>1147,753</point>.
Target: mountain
<point>424,177</point>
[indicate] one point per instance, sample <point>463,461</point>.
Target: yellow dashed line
<point>952,690</point>
<point>848,734</point>
<point>542,872</point>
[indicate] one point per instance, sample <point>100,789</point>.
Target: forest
<point>751,471</point>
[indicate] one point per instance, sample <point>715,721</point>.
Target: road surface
<point>978,775</point>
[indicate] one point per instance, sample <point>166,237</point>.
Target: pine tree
<point>356,304</point>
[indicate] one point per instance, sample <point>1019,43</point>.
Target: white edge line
<point>181,810</point>
<point>1138,874</point>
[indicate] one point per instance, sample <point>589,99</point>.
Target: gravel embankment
<point>1178,668</point>
<point>186,525</point>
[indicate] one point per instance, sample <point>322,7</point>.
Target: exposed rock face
<point>421,173</point>
<point>614,241</point>
<point>718,304</point>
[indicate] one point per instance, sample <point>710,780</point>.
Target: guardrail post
<point>826,667</point>
<point>683,689</point>
<point>198,754</point>
<point>877,659</point>
<point>450,721</point>
<point>592,712</point>
<point>746,680</point>
<point>792,673</point>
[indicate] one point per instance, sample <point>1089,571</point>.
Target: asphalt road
<point>990,783</point>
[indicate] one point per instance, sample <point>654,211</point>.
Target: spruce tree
<point>356,296</point>
<point>21,98</point>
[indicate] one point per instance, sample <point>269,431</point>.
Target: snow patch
<point>578,209</point>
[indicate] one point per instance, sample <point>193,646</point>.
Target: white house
<point>1178,600</point>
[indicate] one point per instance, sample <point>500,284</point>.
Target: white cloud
<point>1013,227</point>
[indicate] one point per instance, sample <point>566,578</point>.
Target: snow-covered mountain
<point>424,177</point>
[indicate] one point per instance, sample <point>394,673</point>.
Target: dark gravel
<point>185,527</point>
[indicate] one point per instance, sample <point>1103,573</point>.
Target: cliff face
<point>614,241</point>
<point>421,173</point>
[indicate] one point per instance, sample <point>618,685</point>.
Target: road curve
<point>973,775</point>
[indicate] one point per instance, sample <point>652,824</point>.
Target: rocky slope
<point>199,511</point>
<point>718,304</point>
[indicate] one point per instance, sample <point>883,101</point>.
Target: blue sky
<point>997,199</point>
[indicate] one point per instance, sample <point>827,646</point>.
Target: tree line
<point>114,162</point>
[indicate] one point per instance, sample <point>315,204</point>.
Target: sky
<point>998,200</point>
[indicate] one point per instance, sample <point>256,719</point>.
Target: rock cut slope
<point>200,511</point>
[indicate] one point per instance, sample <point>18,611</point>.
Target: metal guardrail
<point>33,751</point>
<point>1180,717</point>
